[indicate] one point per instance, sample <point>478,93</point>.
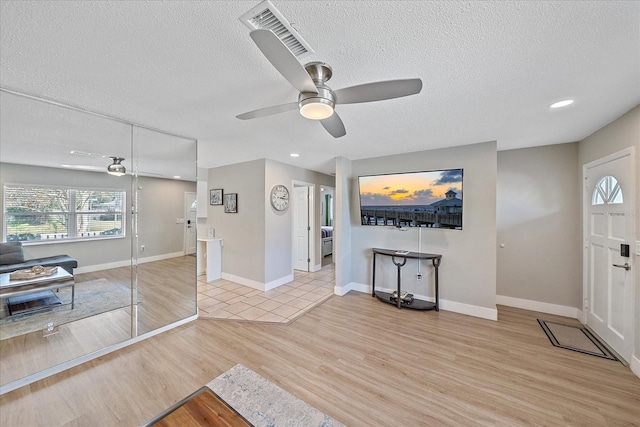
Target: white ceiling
<point>489,70</point>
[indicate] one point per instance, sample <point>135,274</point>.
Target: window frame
<point>71,216</point>
<point>607,193</point>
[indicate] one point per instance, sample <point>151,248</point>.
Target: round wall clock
<point>279,197</point>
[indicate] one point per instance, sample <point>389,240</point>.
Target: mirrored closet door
<point>89,259</point>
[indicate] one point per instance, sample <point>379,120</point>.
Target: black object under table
<point>399,258</point>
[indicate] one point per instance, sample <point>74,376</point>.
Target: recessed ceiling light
<point>295,155</point>
<point>176,176</point>
<point>561,104</point>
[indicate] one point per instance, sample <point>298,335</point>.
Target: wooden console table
<point>399,258</point>
<point>202,408</point>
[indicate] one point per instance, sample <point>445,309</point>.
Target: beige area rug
<point>576,338</point>
<point>91,298</point>
<point>263,403</point>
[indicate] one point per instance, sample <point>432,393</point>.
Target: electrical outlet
<point>419,276</point>
<point>141,248</point>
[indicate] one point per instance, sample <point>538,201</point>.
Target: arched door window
<point>607,192</point>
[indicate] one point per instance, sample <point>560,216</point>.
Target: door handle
<point>626,266</point>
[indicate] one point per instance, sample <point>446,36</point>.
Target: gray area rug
<point>263,403</point>
<point>93,297</point>
<point>576,338</point>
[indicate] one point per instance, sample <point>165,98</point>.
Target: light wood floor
<point>361,361</point>
<point>164,295</point>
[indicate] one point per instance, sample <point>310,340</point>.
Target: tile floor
<point>222,299</point>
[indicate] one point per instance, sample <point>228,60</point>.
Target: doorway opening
<point>326,224</point>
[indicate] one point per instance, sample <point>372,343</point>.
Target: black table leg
<point>436,264</point>
<point>399,265</point>
<point>373,281</point>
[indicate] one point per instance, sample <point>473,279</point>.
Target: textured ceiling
<point>489,71</point>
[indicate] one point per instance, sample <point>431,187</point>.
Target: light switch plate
<point>638,248</point>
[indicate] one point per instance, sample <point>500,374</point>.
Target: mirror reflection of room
<point>92,255</point>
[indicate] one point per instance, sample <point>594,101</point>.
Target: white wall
<point>616,136</point>
<point>468,269</point>
<point>538,211</point>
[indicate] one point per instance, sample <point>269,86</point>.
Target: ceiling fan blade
<point>285,62</point>
<point>268,111</point>
<point>378,91</point>
<point>334,125</point>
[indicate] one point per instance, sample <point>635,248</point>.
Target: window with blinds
<point>42,214</point>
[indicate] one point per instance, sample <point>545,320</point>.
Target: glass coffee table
<point>14,288</point>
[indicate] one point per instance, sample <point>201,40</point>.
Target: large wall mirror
<point>114,253</point>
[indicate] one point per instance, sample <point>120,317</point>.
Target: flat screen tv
<point>430,199</point>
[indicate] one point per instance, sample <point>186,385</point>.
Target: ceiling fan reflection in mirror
<point>316,100</point>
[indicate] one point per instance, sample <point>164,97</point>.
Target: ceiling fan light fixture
<point>116,168</point>
<point>316,108</point>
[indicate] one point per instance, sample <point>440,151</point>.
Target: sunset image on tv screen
<point>427,199</point>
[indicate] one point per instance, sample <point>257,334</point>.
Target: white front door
<point>609,205</point>
<point>190,230</point>
<point>301,228</point>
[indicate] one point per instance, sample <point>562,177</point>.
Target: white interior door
<point>190,230</point>
<point>301,228</point>
<point>609,206</point>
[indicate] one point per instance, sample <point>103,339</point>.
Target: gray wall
<point>243,232</point>
<point>538,222</point>
<point>342,230</point>
<point>279,225</point>
<point>468,270</point>
<point>258,240</point>
<point>161,202</point>
<point>616,136</point>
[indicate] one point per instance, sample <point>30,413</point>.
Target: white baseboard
<point>543,307</point>
<point>258,285</point>
<point>278,282</point>
<point>243,281</point>
<point>457,307</point>
<point>125,263</point>
<point>14,385</point>
<point>635,365</point>
<point>351,286</point>
<point>469,309</point>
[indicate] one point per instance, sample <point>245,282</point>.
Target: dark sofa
<point>12,259</point>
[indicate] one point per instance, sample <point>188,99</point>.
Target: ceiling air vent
<point>265,16</point>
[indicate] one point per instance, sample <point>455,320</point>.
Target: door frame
<point>312,223</point>
<point>586,200</point>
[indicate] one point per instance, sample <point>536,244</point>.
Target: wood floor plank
<point>361,361</point>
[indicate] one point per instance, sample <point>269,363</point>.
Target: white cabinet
<point>203,199</point>
<point>209,259</point>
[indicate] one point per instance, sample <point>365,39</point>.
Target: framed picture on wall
<point>231,203</point>
<point>215,196</point>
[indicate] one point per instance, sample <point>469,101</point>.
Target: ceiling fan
<point>316,100</point>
